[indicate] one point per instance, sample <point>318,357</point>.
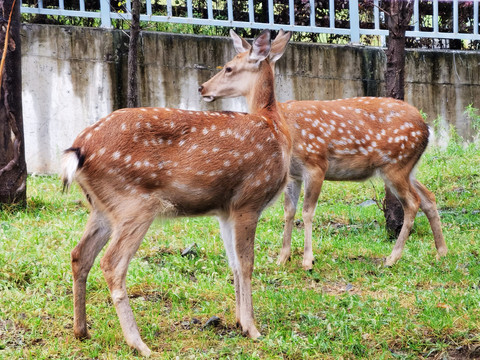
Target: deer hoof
<point>441,252</point>
<point>252,332</point>
<point>389,261</point>
<point>144,350</point>
<point>282,259</point>
<point>82,335</point>
<point>308,265</point>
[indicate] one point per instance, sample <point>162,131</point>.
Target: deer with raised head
<point>352,140</point>
<point>139,164</point>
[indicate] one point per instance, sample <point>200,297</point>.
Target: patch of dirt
<point>155,255</point>
<point>459,353</point>
<point>148,295</point>
<point>368,260</point>
<point>15,333</point>
<point>339,288</point>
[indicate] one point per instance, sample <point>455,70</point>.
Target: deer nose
<point>200,88</point>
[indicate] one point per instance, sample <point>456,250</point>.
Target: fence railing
<point>357,19</point>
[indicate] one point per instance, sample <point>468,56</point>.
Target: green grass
<point>420,308</point>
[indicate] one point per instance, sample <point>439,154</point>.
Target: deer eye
<point>228,69</point>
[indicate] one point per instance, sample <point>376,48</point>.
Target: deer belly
<point>353,168</point>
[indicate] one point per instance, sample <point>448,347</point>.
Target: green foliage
<point>455,142</point>
<point>349,306</point>
<point>281,15</point>
<point>474,117</point>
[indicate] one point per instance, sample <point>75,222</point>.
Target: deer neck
<point>262,97</point>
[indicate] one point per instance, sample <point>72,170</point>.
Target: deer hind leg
<point>126,239</point>
<point>292,193</point>
<point>239,236</point>
<point>96,235</point>
<point>410,201</point>
<point>313,186</point>
<point>429,207</point>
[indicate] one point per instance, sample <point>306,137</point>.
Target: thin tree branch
<point>5,46</point>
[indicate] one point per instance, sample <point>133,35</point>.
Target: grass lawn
<point>349,306</point>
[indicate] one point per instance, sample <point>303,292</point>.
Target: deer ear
<point>279,45</point>
<point>239,43</point>
<point>261,47</point>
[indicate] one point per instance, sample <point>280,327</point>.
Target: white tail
<point>137,164</point>
<point>351,140</point>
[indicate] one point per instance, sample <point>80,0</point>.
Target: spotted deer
<point>352,140</point>
<point>139,164</point>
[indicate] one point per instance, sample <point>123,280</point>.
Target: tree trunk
<point>132,91</point>
<point>399,14</point>
<point>13,169</point>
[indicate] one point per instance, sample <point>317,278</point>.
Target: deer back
<point>354,138</point>
<point>180,162</point>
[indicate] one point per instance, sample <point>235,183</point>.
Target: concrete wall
<point>73,76</point>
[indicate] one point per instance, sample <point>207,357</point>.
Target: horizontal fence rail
<point>354,18</point>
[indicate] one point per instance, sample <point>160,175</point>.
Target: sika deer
<point>352,140</point>
<point>138,164</point>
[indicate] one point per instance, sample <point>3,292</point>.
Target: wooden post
<point>132,91</point>
<point>13,169</point>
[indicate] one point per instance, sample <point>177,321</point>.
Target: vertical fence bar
<point>475,17</point>
<point>331,13</point>
<point>40,4</point>
<point>105,14</point>
<point>354,22</point>
<point>312,13</point>
<point>230,10</point>
<point>455,16</point>
<point>251,11</point>
<point>129,6</point>
<point>148,5</point>
<point>209,10</point>
<point>61,5</point>
<point>189,9</point>
<point>376,15</point>
<point>169,8</point>
<point>82,5</point>
<point>416,16</point>
<point>291,12</point>
<point>270,11</point>
<point>435,16</point>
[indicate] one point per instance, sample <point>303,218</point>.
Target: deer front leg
<point>114,264</point>
<point>292,193</point>
<point>313,186</point>
<point>244,227</point>
<point>95,237</point>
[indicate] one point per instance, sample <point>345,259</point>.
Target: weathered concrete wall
<point>73,76</point>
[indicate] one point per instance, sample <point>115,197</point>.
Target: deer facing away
<point>352,140</point>
<point>138,164</point>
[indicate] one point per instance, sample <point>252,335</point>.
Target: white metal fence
<point>458,29</point>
